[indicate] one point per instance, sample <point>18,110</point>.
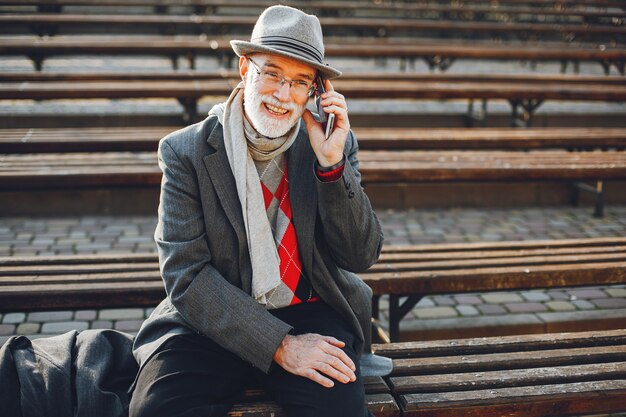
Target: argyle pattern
<point>275,186</point>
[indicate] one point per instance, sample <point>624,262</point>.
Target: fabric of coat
<point>204,258</point>
<point>73,374</point>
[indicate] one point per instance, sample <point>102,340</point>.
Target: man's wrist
<point>330,173</point>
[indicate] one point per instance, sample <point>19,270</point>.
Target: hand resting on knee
<point>316,357</point>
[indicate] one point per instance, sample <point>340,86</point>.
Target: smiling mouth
<point>275,110</point>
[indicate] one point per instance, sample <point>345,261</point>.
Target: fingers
<point>333,341</point>
<point>315,376</point>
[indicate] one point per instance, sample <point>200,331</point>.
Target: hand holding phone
<point>327,120</point>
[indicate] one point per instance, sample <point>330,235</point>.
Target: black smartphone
<point>327,120</point>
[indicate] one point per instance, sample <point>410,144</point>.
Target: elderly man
<point>262,222</point>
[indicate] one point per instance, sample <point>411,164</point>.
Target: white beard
<point>266,126</point>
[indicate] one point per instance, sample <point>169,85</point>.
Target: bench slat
<point>382,405</point>
<point>509,378</point>
<point>330,24</point>
<point>486,345</point>
<point>341,47</point>
<point>536,401</point>
<point>387,262</point>
<point>492,279</point>
<point>140,168</point>
<point>509,360</point>
<point>355,89</point>
<point>146,138</point>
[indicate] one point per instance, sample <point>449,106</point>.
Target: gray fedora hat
<point>288,32</point>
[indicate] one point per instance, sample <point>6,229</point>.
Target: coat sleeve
<point>351,228</point>
<point>208,302</point>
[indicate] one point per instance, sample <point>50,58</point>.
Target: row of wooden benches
<point>53,23</point>
<point>437,54</point>
<point>109,281</point>
<point>525,94</point>
<point>530,376</point>
<point>125,157</point>
<point>510,11</point>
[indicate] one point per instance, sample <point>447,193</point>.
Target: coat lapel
<point>303,196</point>
<point>221,175</point>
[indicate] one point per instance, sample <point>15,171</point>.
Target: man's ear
<point>243,67</point>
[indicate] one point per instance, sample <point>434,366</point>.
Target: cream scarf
<point>241,148</point>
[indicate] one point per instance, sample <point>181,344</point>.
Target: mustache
<point>273,101</point>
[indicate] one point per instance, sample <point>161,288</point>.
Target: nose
<point>282,92</point>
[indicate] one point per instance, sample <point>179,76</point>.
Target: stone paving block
<point>128,325</point>
<point>609,302</point>
<point>86,315</point>
<point>583,305</point>
<point>28,328</point>
<point>535,296</point>
<point>587,293</point>
<point>426,302</point>
<point>435,312</point>
<point>63,327</point>
<point>461,327</point>
<point>101,324</point>
<point>491,309</point>
<point>121,314</point>
<point>525,307</point>
<point>444,300</point>
<point>467,310</point>
<point>561,306</point>
<point>93,247</point>
<point>581,320</point>
<point>558,295</point>
<point>45,316</point>
<point>7,329</point>
<point>468,299</point>
<point>74,241</point>
<point>616,292</point>
<point>13,318</point>
<point>501,297</point>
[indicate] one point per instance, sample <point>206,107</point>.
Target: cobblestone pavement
<point>461,315</point>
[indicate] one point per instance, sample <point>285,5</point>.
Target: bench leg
<point>191,109</point>
<point>37,61</point>
<point>398,311</point>
<point>476,117</point>
<point>597,191</point>
<point>191,59</point>
<point>524,118</point>
<point>442,63</point>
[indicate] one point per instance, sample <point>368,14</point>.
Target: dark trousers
<point>191,375</point>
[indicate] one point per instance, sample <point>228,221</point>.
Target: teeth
<point>275,109</point>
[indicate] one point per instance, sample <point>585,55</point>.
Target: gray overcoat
<point>203,251</point>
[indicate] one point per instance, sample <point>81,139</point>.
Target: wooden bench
<point>524,97</point>
<point>79,169</point>
<point>437,54</point>
<point>560,374</point>
<point>53,23</point>
<point>340,8</point>
<point>98,281</point>
<point>118,157</point>
<point>140,138</point>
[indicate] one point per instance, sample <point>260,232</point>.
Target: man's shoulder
<point>191,137</point>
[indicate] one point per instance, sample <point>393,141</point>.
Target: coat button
<point>350,194</point>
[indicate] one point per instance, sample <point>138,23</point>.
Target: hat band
<point>292,46</point>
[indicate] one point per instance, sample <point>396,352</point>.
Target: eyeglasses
<point>273,79</point>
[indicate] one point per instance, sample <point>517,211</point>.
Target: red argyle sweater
<point>275,186</point>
